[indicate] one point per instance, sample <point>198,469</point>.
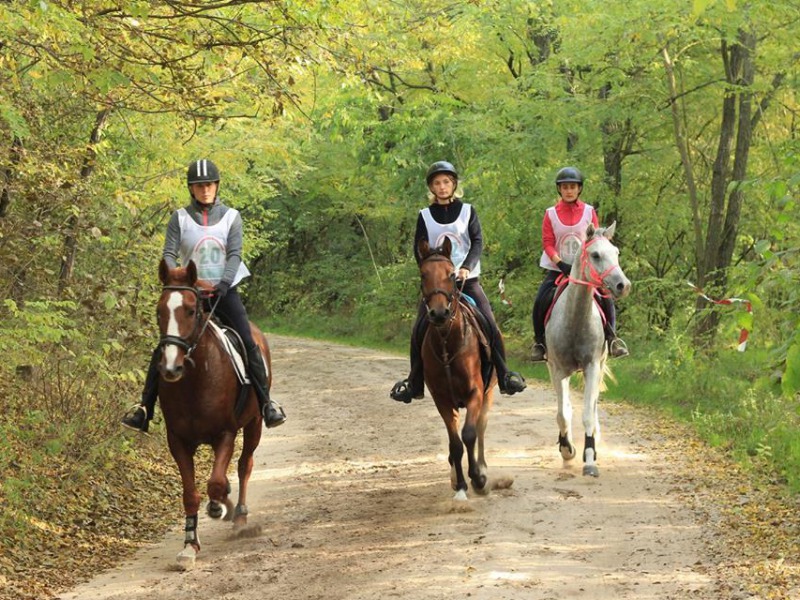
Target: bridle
<point>596,278</point>
<point>452,296</point>
<point>188,343</point>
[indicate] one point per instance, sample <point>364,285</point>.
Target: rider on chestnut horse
<point>209,233</point>
<point>449,217</point>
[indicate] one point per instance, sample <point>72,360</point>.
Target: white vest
<point>569,238</point>
<point>457,231</point>
<point>206,246</point>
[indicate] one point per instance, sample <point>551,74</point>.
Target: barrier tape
<point>502,287</point>
<point>748,306</point>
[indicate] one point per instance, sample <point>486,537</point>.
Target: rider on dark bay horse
<point>449,217</point>
<point>209,233</point>
<point>563,233</point>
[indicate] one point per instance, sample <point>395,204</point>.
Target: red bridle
<point>596,279</point>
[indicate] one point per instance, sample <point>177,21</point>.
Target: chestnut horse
<point>576,341</point>
<point>198,391</point>
<point>451,359</point>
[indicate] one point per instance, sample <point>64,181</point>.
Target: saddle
<point>561,285</point>
<point>477,320</point>
<point>234,347</point>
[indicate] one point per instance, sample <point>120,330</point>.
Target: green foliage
<point>323,117</point>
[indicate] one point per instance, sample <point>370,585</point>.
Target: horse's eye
<point>190,312</point>
<point>595,255</point>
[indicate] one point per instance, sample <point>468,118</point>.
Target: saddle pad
<point>232,350</point>
<point>560,289</point>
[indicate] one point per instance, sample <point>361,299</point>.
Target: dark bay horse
<point>452,367</point>
<point>198,391</point>
<point>576,340</point>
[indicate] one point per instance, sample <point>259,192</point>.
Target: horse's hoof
<point>461,495</point>
<point>479,484</point>
<point>591,470</point>
<point>186,557</point>
<point>568,452</point>
<point>216,510</point>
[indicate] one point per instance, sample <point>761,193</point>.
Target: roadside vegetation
<point>323,117</point>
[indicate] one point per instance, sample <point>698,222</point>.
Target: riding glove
<point>221,288</point>
<point>565,268</point>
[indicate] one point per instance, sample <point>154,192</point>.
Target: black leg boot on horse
<point>271,411</point>
<point>413,388</point>
<point>139,416</point>
<point>617,348</point>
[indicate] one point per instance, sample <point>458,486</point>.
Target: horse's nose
<point>439,315</point>
<point>173,373</point>
<point>623,287</point>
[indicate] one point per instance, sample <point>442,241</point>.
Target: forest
<point>323,116</point>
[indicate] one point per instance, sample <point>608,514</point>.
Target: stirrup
<point>618,348</point>
<point>514,382</point>
<point>539,353</point>
<point>402,392</point>
<point>277,408</point>
<point>136,419</point>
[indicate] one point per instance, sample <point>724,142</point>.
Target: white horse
<point>575,339</point>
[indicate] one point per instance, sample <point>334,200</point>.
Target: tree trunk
<point>722,232</point>
<point>71,239</point>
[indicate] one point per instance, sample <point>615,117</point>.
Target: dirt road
<point>353,500</point>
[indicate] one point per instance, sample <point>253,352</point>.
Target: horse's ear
<point>590,231</point>
<point>423,248</point>
<point>163,271</point>
<point>447,247</point>
<point>191,273</point>
<point>609,232</point>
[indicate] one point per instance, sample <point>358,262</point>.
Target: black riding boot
<point>271,411</point>
<point>510,382</point>
<point>617,348</point>
<point>139,416</point>
<point>413,388</point>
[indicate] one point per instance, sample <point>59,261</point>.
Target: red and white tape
<point>748,306</point>
<point>502,287</point>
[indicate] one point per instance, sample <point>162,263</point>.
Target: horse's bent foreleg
<point>252,436</point>
<point>455,451</point>
<point>218,485</point>
<point>592,377</point>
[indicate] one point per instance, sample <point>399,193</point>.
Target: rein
<point>454,304</point>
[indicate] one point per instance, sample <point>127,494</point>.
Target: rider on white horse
<point>563,233</point>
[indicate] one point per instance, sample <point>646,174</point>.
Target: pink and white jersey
<point>569,238</point>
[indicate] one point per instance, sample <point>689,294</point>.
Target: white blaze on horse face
<point>174,302</point>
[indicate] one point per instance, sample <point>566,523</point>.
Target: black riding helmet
<point>569,175</point>
<point>202,171</point>
<point>441,166</point>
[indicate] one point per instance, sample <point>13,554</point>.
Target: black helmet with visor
<point>202,171</point>
<point>441,166</point>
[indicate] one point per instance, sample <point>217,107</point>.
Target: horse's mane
<point>181,276</point>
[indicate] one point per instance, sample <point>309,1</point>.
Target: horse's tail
<point>607,375</point>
